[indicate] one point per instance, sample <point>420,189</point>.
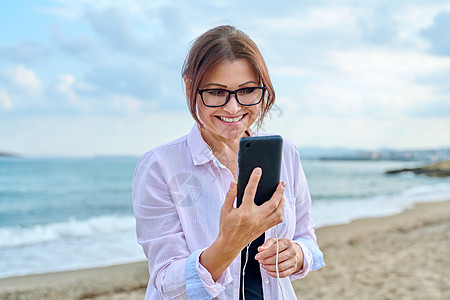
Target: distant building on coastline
<point>430,156</point>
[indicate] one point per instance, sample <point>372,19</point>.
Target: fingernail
<point>258,171</point>
<point>257,256</point>
<point>283,183</point>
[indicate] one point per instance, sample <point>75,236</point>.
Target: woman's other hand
<point>290,257</point>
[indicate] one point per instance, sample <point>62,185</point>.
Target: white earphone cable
<point>243,272</point>
<point>276,263</point>
<point>248,246</point>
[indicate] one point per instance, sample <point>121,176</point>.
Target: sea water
<point>70,213</point>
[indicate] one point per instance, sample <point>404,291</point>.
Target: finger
<point>281,274</point>
<point>267,244</point>
<point>274,201</point>
<point>276,216</point>
<point>252,186</point>
<point>272,250</point>
<point>229,198</point>
<point>283,255</point>
<point>282,266</point>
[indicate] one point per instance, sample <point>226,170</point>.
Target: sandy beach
<point>405,256</point>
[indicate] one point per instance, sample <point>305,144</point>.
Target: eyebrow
<point>216,84</point>
<point>250,81</point>
<point>222,85</point>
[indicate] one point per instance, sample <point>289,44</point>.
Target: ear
<point>187,83</point>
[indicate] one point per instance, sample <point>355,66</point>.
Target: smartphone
<point>264,152</point>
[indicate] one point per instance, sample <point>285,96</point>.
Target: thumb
<point>229,198</point>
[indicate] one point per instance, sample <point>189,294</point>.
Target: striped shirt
<point>178,192</point>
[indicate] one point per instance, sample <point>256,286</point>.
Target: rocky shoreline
<point>440,169</point>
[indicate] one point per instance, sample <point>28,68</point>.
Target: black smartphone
<point>264,152</point>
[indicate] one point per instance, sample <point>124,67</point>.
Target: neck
<point>220,145</point>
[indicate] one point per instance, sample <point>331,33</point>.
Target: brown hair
<point>213,47</point>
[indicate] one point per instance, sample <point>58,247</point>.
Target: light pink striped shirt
<point>178,192</point>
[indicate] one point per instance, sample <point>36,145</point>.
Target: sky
<point>86,78</point>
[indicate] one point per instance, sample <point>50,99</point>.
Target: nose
<point>232,105</point>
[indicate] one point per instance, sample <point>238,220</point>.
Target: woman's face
<point>231,120</point>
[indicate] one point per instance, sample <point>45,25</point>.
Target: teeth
<point>231,120</point>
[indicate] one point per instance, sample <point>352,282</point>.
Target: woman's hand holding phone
<point>239,226</point>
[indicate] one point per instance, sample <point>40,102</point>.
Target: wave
<point>435,191</point>
<point>331,211</point>
<point>21,236</point>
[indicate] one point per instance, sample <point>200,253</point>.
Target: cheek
<point>204,113</point>
<point>254,112</point>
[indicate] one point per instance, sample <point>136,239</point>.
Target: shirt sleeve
<point>213,287</point>
<point>304,231</point>
<point>172,267</point>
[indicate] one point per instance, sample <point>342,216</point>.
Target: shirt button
<point>266,280</point>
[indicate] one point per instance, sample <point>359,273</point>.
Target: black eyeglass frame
<point>263,88</point>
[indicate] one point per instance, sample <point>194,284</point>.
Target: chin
<point>232,133</point>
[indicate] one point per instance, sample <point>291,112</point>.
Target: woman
<point>184,192</point>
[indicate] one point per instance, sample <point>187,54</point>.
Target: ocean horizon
<point>60,214</point>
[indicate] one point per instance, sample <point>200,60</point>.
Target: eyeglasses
<point>247,96</point>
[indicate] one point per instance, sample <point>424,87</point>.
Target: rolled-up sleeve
<point>214,288</point>
<point>199,282</point>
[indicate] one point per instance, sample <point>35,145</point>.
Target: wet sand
<point>405,256</point>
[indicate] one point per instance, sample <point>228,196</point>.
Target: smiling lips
<point>231,119</point>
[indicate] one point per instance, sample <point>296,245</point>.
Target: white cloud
<point>84,86</point>
<point>301,20</point>
<point>365,81</point>
<point>287,71</point>
<point>127,103</point>
<point>361,131</point>
<point>438,35</point>
<point>21,87</point>
<point>67,85</point>
<point>23,51</point>
<point>26,78</point>
<point>92,134</point>
<point>347,73</point>
<point>412,18</point>
<point>394,72</point>
<point>73,10</point>
<point>5,100</point>
<point>80,46</point>
<point>83,95</point>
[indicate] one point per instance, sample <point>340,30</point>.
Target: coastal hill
<point>8,154</point>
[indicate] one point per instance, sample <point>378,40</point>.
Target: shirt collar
<point>200,151</point>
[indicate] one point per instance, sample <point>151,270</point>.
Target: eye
<point>217,93</point>
<point>246,91</point>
